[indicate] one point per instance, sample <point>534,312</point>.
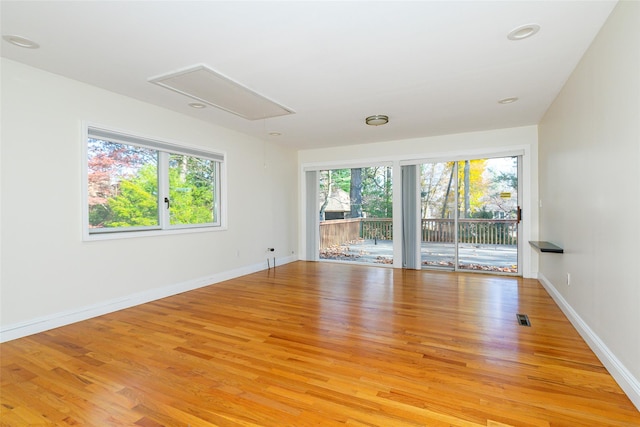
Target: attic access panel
<point>210,87</point>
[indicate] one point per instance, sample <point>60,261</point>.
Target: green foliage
<point>341,178</point>
<point>375,191</point>
<point>191,190</point>
<point>482,213</point>
<point>119,177</point>
<point>136,201</point>
<point>135,205</point>
<point>335,178</point>
<point>377,195</point>
<point>99,214</point>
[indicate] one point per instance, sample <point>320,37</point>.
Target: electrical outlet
<point>568,279</point>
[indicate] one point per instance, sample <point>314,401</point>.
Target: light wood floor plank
<point>319,344</point>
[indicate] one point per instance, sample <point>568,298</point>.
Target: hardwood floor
<point>319,344</point>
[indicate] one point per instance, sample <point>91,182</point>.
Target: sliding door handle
<point>519,215</point>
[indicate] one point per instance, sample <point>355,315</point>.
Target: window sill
<point>149,233</point>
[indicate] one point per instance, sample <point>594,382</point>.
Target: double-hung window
<point>137,185</point>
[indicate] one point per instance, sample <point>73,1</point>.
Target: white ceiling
<point>434,67</point>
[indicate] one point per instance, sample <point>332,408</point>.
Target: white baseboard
<point>626,380</point>
<point>56,320</point>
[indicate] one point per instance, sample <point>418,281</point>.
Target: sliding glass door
<point>355,208</point>
<point>460,215</point>
<point>470,215</point>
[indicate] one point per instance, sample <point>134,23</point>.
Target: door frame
<point>528,231</point>
<point>456,185</point>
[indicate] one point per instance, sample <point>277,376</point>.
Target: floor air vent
<point>523,320</point>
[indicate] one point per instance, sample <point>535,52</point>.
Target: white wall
<point>49,275</point>
<point>446,147</point>
<point>590,189</point>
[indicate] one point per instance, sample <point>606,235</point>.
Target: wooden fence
<point>336,232</point>
<point>478,231</point>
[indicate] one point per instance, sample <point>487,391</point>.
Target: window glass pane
<point>122,185</point>
<point>192,183</point>
<point>134,185</point>
<point>438,210</point>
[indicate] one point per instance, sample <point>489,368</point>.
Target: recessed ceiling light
<point>274,134</point>
<point>21,41</point>
<point>197,105</point>
<point>523,32</point>
<point>510,100</point>
<point>377,120</point>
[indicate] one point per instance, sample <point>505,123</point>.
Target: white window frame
<point>164,149</point>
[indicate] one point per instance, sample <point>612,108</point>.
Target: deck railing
<point>471,230</point>
<point>478,231</point>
